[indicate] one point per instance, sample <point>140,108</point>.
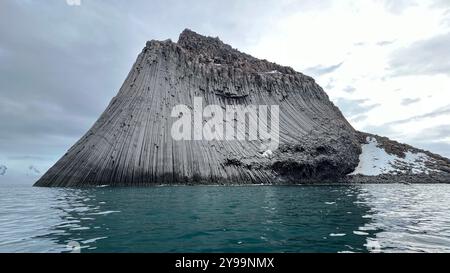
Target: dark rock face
<point>131,142</point>
<point>421,178</point>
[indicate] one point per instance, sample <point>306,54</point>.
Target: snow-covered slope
<point>374,160</point>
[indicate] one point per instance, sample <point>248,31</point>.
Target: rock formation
<point>131,143</point>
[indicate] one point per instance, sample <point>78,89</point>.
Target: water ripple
<point>369,218</point>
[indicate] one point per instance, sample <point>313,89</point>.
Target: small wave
<point>105,212</point>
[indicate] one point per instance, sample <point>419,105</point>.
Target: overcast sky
<point>385,63</point>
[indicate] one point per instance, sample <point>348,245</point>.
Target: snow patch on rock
<point>374,160</point>
<point>273,72</point>
<point>268,154</point>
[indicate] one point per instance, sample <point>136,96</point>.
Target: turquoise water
<point>367,218</point>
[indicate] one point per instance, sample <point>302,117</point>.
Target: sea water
<point>354,218</point>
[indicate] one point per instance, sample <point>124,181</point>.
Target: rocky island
<point>132,143</point>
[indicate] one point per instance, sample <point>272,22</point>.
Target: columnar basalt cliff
<point>131,143</point>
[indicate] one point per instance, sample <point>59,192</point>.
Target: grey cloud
<point>437,133</point>
<point>398,6</point>
<point>408,101</point>
<point>57,75</point>
<point>33,170</point>
<point>359,118</point>
<point>444,6</point>
<point>383,130</point>
<point>305,5</point>
<point>441,4</point>
<point>27,157</point>
<point>431,139</point>
<point>438,112</point>
<point>423,57</point>
<point>446,20</point>
<point>322,70</point>
<point>330,84</point>
<point>385,43</point>
<point>60,65</point>
<point>3,169</point>
<point>354,108</point>
<point>438,147</point>
<point>349,89</point>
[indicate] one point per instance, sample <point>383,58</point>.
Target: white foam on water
<point>104,212</point>
<point>93,240</point>
<point>360,233</point>
<point>373,246</point>
<point>338,234</point>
